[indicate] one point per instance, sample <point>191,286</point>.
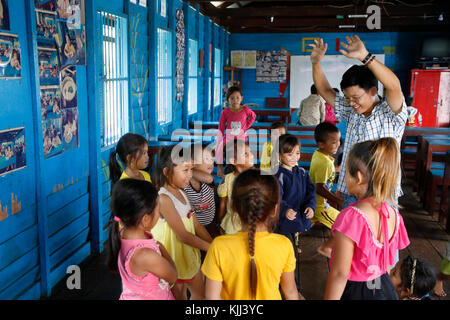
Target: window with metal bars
<point>114,79</point>
<point>192,75</point>
<point>164,76</point>
<point>217,76</point>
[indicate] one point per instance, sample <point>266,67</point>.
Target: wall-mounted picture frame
<point>48,66</point>
<point>4,15</point>
<point>10,56</point>
<point>12,150</point>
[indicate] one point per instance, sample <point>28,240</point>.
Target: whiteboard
<point>333,67</point>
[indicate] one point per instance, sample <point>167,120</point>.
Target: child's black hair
<point>131,199</point>
<point>422,281</point>
<point>169,157</point>
<point>232,90</point>
<point>130,144</point>
<point>360,76</point>
<point>277,125</point>
<point>322,130</point>
<point>287,143</point>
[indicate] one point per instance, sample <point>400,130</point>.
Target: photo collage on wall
<point>10,55</point>
<point>12,150</point>
<point>181,47</point>
<point>61,46</point>
<point>271,66</point>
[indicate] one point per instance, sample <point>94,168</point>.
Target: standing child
<point>322,174</point>
<point>132,150</point>
<point>253,263</point>
<point>236,119</point>
<point>178,227</point>
<point>239,155</point>
<point>413,279</point>
<point>277,129</point>
<point>199,190</point>
<point>368,234</point>
<point>146,269</point>
<point>298,197</point>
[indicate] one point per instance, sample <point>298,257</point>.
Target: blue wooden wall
<point>400,49</point>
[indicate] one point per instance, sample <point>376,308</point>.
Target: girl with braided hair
<point>252,264</point>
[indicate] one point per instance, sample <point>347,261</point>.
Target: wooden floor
<point>428,240</point>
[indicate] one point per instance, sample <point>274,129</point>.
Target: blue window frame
<point>193,76</point>
<point>164,76</point>
<point>217,77</point>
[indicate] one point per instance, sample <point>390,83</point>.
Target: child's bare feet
<point>324,250</point>
<point>439,290</point>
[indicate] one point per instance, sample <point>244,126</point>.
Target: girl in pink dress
<point>236,119</point>
<point>368,234</point>
<point>146,269</point>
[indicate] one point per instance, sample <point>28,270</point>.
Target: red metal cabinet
<point>430,90</point>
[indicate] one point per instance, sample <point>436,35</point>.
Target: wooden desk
<point>284,114</point>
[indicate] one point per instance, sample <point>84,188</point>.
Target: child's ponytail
<point>113,245</point>
<point>254,198</point>
<point>115,171</point>
<point>385,163</point>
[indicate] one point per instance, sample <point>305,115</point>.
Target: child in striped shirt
<point>199,191</point>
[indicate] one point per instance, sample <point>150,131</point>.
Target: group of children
<point>160,229</point>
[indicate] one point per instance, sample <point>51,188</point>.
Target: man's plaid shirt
<point>383,122</point>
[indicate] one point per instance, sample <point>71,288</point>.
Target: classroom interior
<point>73,81</point>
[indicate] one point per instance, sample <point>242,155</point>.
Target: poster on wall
<point>4,15</point>
<point>243,59</point>
<point>71,45</point>
<point>69,87</point>
<point>271,66</point>
<point>10,57</point>
<point>50,102</point>
<point>45,26</point>
<point>180,51</point>
<point>48,66</point>
<point>70,128</point>
<point>52,133</point>
<point>48,5</point>
<point>12,150</point>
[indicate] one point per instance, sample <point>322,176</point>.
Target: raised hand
<point>319,49</point>
<point>355,48</point>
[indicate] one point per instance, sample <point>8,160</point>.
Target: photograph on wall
<point>71,45</point>
<point>69,87</point>
<point>4,15</point>
<point>70,128</point>
<point>12,150</point>
<point>48,5</point>
<point>52,133</point>
<point>10,56</point>
<point>271,66</point>
<point>50,102</point>
<point>45,26</point>
<point>68,9</point>
<point>48,66</point>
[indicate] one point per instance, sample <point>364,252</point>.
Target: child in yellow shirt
<point>253,263</point>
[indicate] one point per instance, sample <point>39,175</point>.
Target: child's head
<point>135,204</point>
<point>234,96</point>
<point>277,129</point>
<point>203,157</point>
<point>313,89</point>
<point>289,150</point>
<point>132,150</point>
<point>174,166</point>
<point>238,154</point>
<point>413,278</point>
<point>372,169</point>
<point>328,137</point>
<point>255,199</point>
<point>359,86</point>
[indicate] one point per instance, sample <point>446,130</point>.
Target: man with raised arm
<point>368,115</point>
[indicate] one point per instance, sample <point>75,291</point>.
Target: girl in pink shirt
<point>368,234</point>
<point>146,269</point>
<point>236,119</point>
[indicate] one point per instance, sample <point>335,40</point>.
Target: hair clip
<point>412,276</point>
<point>117,219</point>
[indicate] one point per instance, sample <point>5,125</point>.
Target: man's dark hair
<point>313,89</point>
<point>359,76</point>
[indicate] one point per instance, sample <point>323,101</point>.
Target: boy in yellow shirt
<point>276,129</point>
<point>322,174</point>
